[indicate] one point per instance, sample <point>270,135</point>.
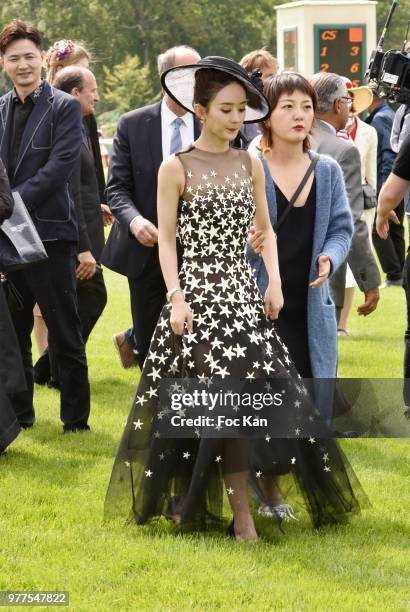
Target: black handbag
<point>369,197</point>
<point>20,244</point>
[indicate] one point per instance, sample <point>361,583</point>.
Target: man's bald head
<point>79,82</point>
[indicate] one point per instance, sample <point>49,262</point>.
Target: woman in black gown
<point>216,326</point>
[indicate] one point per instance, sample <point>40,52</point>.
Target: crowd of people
<point>245,196</point>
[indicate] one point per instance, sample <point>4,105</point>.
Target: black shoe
<point>25,425</point>
<point>345,434</point>
<point>74,428</point>
<point>395,282</point>
<point>407,412</point>
<point>53,384</point>
<point>2,451</point>
<point>231,531</point>
<point>42,369</point>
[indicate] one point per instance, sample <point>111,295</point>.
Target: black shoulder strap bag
<point>296,194</point>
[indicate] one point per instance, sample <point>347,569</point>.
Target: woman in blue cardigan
<point>314,236</point>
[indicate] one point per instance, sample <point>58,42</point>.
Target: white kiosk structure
<point>327,36</point>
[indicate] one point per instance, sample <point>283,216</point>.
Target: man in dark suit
<point>11,368</point>
<point>91,291</point>
<point>333,111</point>
<point>40,138</point>
<point>143,138</point>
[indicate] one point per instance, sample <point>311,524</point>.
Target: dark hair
<point>69,78</point>
<point>209,82</point>
<point>286,82</point>
<point>19,30</point>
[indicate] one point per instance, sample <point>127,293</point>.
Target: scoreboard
<point>341,49</point>
<point>290,48</point>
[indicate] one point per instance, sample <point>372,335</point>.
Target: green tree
<point>127,85</point>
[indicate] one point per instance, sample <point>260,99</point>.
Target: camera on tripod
<point>390,70</point>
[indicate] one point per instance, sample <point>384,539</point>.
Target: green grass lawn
<point>52,488</point>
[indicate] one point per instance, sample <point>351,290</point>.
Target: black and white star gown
<point>231,339</point>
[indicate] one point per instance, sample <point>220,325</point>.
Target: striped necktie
<point>176,140</point>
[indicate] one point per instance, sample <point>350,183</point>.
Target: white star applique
<point>218,459</point>
<point>293,460</point>
<point>216,343</point>
<point>186,455</point>
<point>230,491</point>
<point>240,350</point>
<point>148,473</point>
<point>228,330</point>
<point>205,333</point>
<point>155,374</point>
<point>228,352</point>
<point>138,424</point>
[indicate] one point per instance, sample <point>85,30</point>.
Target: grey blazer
<point>360,257</point>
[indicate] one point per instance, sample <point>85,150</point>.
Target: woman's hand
<point>323,264</point>
<point>256,238</point>
<point>181,313</point>
<point>273,300</point>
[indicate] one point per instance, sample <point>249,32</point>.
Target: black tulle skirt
<point>153,471</point>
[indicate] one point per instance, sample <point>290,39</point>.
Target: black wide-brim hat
<point>179,83</point>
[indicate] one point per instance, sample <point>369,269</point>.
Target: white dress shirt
<point>186,129</point>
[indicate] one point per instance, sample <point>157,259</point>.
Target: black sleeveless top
<point>295,244</point>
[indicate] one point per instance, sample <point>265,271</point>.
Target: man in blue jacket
<point>40,140</point>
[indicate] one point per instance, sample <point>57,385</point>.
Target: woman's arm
<point>171,182</point>
<point>273,296</point>
<point>340,226</point>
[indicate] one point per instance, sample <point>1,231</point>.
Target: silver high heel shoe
<point>280,512</point>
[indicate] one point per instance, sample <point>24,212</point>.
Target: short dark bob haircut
<point>274,88</point>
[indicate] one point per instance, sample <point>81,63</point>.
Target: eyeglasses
<point>348,100</point>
